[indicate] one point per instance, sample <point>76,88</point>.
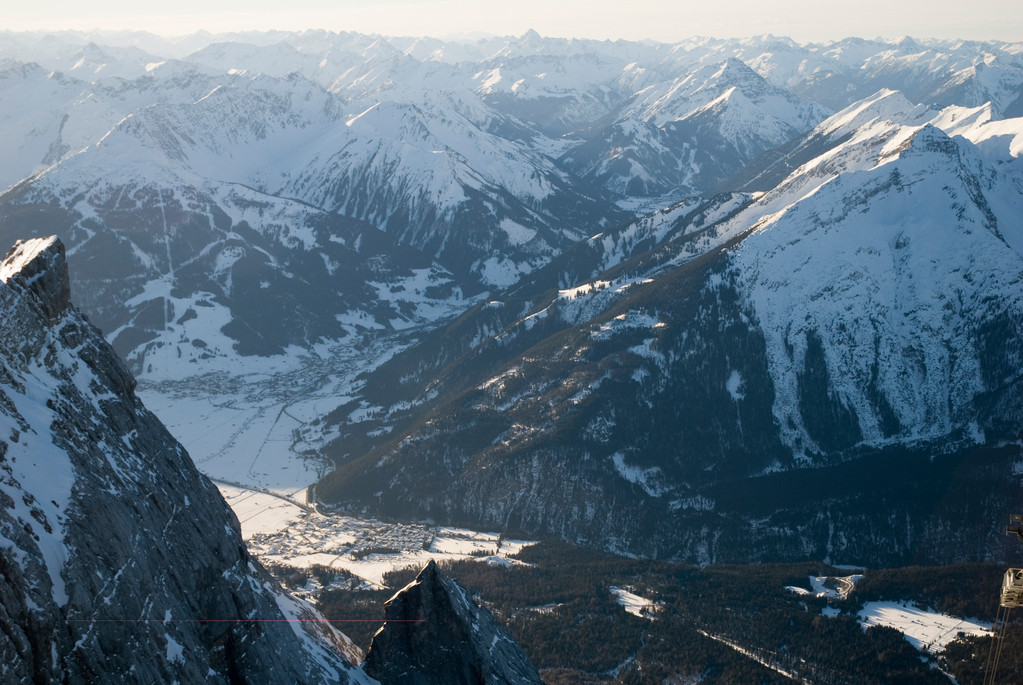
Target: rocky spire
<point>435,634</point>
<point>39,265</point>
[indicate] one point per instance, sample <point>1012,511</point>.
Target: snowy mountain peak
<point>39,265</point>
<point>908,46</point>
<point>696,91</point>
<point>896,231</point>
<point>928,139</point>
<point>954,118</point>
<point>735,70</point>
<point>885,105</point>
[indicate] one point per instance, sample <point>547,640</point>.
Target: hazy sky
<point>664,20</point>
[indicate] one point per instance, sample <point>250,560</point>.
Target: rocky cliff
<point>118,560</point>
<point>435,634</point>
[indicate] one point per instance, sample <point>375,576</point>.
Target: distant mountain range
<point>718,300</point>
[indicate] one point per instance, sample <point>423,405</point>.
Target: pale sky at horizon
<point>802,20</point>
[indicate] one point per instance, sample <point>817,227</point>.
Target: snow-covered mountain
<point>488,158</point>
<point>180,266</point>
<point>862,315</point>
<point>120,560</point>
<point>809,291</point>
<point>838,73</point>
<point>177,205</point>
<point>690,134</point>
<point>176,182</point>
<point>906,269</point>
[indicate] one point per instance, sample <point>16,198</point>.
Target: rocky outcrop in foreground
<point>435,634</point>
<point>119,561</point>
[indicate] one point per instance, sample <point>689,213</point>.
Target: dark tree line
<point>560,609</point>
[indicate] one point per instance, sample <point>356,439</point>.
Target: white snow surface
<point>829,587</point>
<point>250,422</point>
<point>502,272</point>
<point>635,604</point>
<point>928,631</point>
<point>516,232</point>
<point>886,106</point>
<point>628,321</point>
<point>260,512</point>
<point>649,478</point>
<point>860,243</point>
<point>21,255</point>
<point>175,650</point>
<point>734,385</point>
<point>282,533</point>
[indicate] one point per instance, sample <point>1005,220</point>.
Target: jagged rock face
<point>118,560</point>
<point>435,634</point>
<point>42,270</point>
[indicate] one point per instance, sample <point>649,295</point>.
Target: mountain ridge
<point>80,455</point>
<point>554,410</point>
<point>420,197</point>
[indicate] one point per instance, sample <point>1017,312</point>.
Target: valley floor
<point>256,435</point>
<point>285,536</point>
<point>253,428</point>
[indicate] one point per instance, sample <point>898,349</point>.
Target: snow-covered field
<point>634,604</point>
<point>260,512</point>
<point>926,630</point>
<point>281,532</point>
<point>252,427</point>
<point>253,434</point>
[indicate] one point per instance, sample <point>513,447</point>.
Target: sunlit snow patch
<point>634,604</point>
<point>646,478</point>
<point>830,587</point>
<point>283,534</point>
<point>502,272</point>
<point>517,233</point>
<point>259,512</point>
<point>630,320</point>
<point>584,289</point>
<point>735,385</point>
<point>926,630</point>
